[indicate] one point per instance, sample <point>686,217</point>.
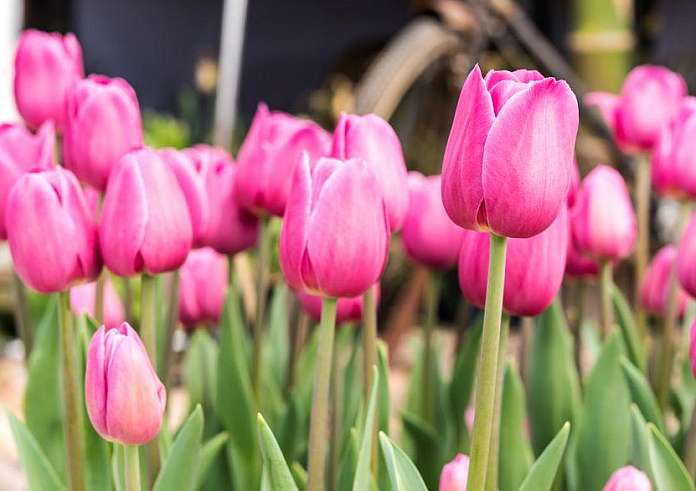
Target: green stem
<point>690,446</point>
<point>642,253</point>
<point>71,394</point>
<point>148,333</point>
<point>494,453</point>
<point>488,366</point>
<point>172,318</point>
<point>99,298</point>
<point>336,416</point>
<point>320,400</point>
<point>262,267</point>
<point>369,339</point>
<point>606,271</point>
<point>432,300</point>
<point>21,312</point>
<point>131,467</point>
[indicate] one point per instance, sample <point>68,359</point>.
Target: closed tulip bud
<point>649,99</point>
<point>102,123</point>
<point>533,268</point>
<point>145,224</point>
<point>21,152</point>
<point>628,479</point>
<point>577,265</point>
<point>83,298</point>
<point>203,287</point>
<point>429,236</point>
<point>686,258</point>
<point>604,223</point>
<point>373,140</point>
<point>268,157</point>
<point>46,65</point>
<point>654,290</point>
<point>347,309</point>
<point>509,130</point>
<point>335,235</point>
<point>125,399</point>
<point>455,474</point>
<point>51,232</point>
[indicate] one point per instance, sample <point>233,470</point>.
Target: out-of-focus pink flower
<point>347,309</point>
<point>83,301</point>
<point>692,347</point>
<point>577,265</point>
<point>686,258</point>
<point>654,290</point>
<point>574,184</point>
<point>203,287</point>
<point>455,474</point>
<point>628,479</point>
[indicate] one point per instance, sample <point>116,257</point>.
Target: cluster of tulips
<point>510,210</point>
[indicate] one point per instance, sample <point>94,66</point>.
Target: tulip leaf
<point>627,324</point>
<point>362,472</point>
<point>276,362</point>
<point>640,441</point>
<point>462,382</point>
<point>200,362</point>
<point>41,476</point>
<point>348,462</point>
<point>543,473</point>
<point>299,474</point>
<point>274,464</point>
<point>515,450</point>
<point>668,471</point>
<point>642,394</point>
<point>180,469</point>
<point>403,474</point>
<point>209,452</point>
<point>383,392</point>
<point>429,455</point>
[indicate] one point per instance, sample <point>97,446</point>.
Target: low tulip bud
<point>347,309</point>
<point>83,301</point>
<point>125,399</point>
<point>203,287</point>
<point>628,479</point>
<point>455,474</point>
<point>654,290</point>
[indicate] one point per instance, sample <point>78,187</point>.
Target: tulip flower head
<point>686,258</point>
<point>654,290</point>
<point>83,301</point>
<point>335,235</point>
<point>51,232</point>
<point>203,286</point>
<point>455,474</point>
<point>347,309</point>
<point>125,399</point>
<point>628,479</point>
<point>46,65</point>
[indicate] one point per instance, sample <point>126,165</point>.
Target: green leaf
<point>627,324</point>
<point>515,450</point>
<point>403,474</point>
<point>640,441</point>
<point>349,461</point>
<point>543,473</point>
<point>383,391</point>
<point>429,452</point>
<point>41,476</point>
<point>180,469</point>
<point>642,394</point>
<point>200,363</point>
<point>209,452</point>
<point>668,471</point>
<point>362,473</point>
<point>299,475</point>
<point>279,476</point>
<point>276,361</point>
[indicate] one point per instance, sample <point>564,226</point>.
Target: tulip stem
<point>262,267</point>
<point>22,315</point>
<point>132,467</point>
<point>172,318</point>
<point>607,282</point>
<point>318,428</point>
<point>488,366</point>
<point>642,194</point>
<point>494,453</point>
<point>99,298</point>
<point>432,300</point>
<point>147,316</point>
<point>690,446</point>
<point>370,358</point>
<point>71,394</point>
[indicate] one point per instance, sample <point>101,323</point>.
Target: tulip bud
<point>649,99</point>
<point>21,152</point>
<point>455,474</point>
<point>604,223</point>
<point>429,236</point>
<point>347,309</point>
<point>335,236</point>
<point>145,224</point>
<point>51,232</point>
<point>102,123</point>
<point>654,290</point>
<point>125,399</point>
<point>373,140</point>
<point>686,258</point>
<point>83,298</point>
<point>203,287</point>
<point>533,268</point>
<point>577,265</point>
<point>46,65</point>
<point>268,157</point>
<point>628,479</point>
<point>509,130</point>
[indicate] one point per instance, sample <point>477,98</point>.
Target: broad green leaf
<point>274,464</point>
<point>403,474</point>
<point>429,455</point>
<point>543,473</point>
<point>668,471</point>
<point>299,475</point>
<point>180,469</point>
<point>515,451</point>
<point>349,461</point>
<point>640,441</point>
<point>41,476</point>
<point>209,452</point>
<point>627,324</point>
<point>276,357</point>
<point>362,473</point>
<point>642,394</point>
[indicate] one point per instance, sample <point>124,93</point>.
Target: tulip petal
<point>95,382</point>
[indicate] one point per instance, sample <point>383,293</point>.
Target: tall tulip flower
<point>628,479</point>
<point>203,287</point>
<point>83,300</point>
<point>654,291</point>
<point>102,123</point>
<point>46,65</point>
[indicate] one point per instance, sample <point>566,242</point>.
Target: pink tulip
<point>649,99</point>
<point>347,309</point>
<point>429,236</point>
<point>51,232</point>
<point>203,287</point>
<point>654,290</point>
<point>508,161</point>
<point>686,258</point>
<point>83,298</point>
<point>533,270</point>
<point>603,220</point>
<point>145,224</point>
<point>628,479</point>
<point>692,347</point>
<point>335,236</point>
<point>46,65</point>
<point>574,184</point>
<point>269,155</point>
<point>21,152</point>
<point>125,399</point>
<point>577,265</point>
<point>372,139</point>
<point>102,123</point>
<point>455,474</point>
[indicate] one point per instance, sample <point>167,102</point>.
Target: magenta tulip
<point>429,236</point>
<point>125,400</point>
<point>203,287</point>
<point>21,152</point>
<point>628,479</point>
<point>145,224</point>
<point>269,155</point>
<point>347,309</point>
<point>455,474</point>
<point>603,220</point>
<point>649,99</point>
<point>335,235</point>
<point>654,289</point>
<point>102,123</point>
<point>46,65</point>
<point>533,269</point>
<point>83,297</point>
<point>574,184</point>
<point>508,162</point>
<point>577,265</point>
<point>51,232</point>
<point>686,258</point>
<point>372,139</point>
